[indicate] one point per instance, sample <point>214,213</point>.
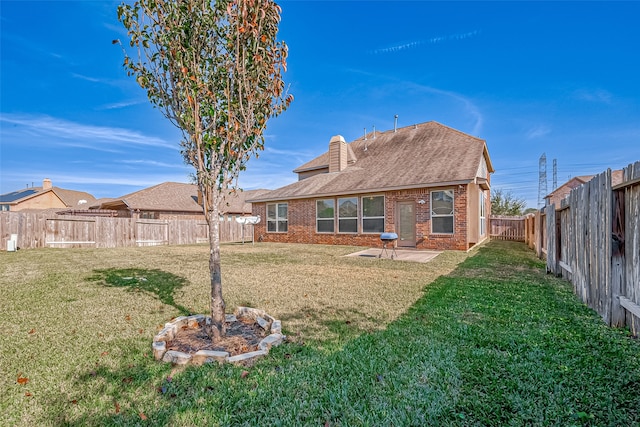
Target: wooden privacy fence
<point>507,228</point>
<point>593,240</point>
<point>37,230</point>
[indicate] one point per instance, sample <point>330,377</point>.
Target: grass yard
<point>485,338</point>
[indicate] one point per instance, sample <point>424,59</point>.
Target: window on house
<point>277,217</point>
<point>348,215</point>
<point>442,212</point>
<point>149,215</point>
<point>325,216</point>
<point>373,214</point>
<point>483,214</point>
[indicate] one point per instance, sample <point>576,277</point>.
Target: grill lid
<point>388,236</point>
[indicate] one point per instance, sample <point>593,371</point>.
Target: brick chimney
<point>46,184</point>
<point>337,154</point>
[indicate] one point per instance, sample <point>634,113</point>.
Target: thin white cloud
<point>289,153</point>
<point>538,132</point>
<point>87,78</point>
<point>86,135</point>
<point>109,82</point>
<point>433,40</point>
<point>123,104</point>
<point>469,106</point>
<point>83,179</point>
<point>116,29</point>
<point>598,95</point>
<point>154,163</point>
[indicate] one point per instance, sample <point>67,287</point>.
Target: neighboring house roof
<point>566,188</point>
<point>70,198</point>
<point>239,203</point>
<point>16,196</point>
<point>168,197</point>
<point>427,154</point>
<point>174,197</point>
<point>563,190</point>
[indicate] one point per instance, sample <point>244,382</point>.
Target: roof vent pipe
<point>365,134</point>
<point>374,131</point>
<point>395,123</point>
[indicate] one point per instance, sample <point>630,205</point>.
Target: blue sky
<point>559,78</point>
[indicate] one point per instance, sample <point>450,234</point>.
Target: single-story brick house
<point>46,197</point>
<point>174,200</point>
<point>428,183</point>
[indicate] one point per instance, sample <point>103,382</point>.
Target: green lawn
<point>485,338</point>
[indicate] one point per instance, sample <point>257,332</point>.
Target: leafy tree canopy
<point>214,68</point>
<point>505,203</point>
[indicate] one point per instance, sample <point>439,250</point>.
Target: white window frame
<point>277,218</point>
<point>357,199</point>
<point>332,219</point>
<point>483,213</point>
<point>363,218</point>
<point>442,215</point>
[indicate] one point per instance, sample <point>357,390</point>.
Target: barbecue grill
<point>388,240</point>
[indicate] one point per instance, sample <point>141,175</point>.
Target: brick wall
<point>302,222</point>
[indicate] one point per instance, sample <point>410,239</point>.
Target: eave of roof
<point>395,160</point>
<point>368,191</point>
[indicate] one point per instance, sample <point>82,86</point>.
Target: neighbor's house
<point>174,200</point>
<point>45,197</point>
<point>428,183</point>
<point>562,192</point>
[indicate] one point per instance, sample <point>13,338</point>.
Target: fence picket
<point>597,244</point>
<point>38,230</point>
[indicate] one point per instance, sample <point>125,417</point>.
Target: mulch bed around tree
<point>243,336</point>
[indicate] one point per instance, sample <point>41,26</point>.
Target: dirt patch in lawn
<point>242,336</point>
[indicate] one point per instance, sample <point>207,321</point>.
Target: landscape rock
<point>271,340</point>
<point>159,348</point>
<point>209,356</point>
<point>176,357</point>
<point>247,356</point>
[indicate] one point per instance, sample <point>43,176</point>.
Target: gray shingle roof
<point>177,197</point>
<point>71,198</point>
<point>422,155</point>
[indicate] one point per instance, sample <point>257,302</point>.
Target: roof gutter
<point>313,168</point>
<point>368,190</point>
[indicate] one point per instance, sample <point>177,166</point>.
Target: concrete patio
<point>400,254</point>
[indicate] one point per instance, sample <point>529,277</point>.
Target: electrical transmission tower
<point>542,184</point>
<point>555,174</point>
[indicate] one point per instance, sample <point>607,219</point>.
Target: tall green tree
<point>505,203</point>
<point>214,68</point>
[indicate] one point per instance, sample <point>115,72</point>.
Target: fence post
<point>538,234</point>
<point>552,244</point>
<point>617,258</point>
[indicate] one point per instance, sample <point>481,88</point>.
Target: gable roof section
<point>175,197</point>
<point>16,196</point>
<point>572,183</point>
<point>71,198</point>
<point>577,181</point>
<point>427,154</point>
<point>168,197</point>
<point>322,161</point>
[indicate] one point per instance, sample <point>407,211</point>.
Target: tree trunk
<point>217,329</point>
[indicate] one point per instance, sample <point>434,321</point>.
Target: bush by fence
<point>39,230</point>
